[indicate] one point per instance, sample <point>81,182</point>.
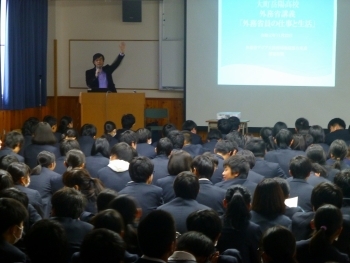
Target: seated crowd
<point>72,197</point>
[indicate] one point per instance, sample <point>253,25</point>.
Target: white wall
<point>100,20</point>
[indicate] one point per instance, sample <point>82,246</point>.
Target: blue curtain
<point>25,55</point>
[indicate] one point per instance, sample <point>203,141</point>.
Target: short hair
<point>88,130</point>
<point>51,120</point>
<point>109,219</point>
<point>123,151</point>
<point>126,206</point>
<point>301,124</point>
<point>317,133</point>
<point>140,169</point>
<point>18,170</point>
<point>299,143</point>
<point>43,134</point>
<point>64,122</point>
<point>224,126</point>
<point>187,136</point>
<point>338,149</point>
<point>68,202</point>
<point>143,135</point>
<point>12,213</point>
<point>6,160</point>
<point>164,146</point>
<point>5,180</point>
<point>128,137</point>
<point>257,146</point>
<point>336,121</point>
<point>128,120</point>
<point>277,127</point>
<point>179,161</point>
<point>46,241</point>
<point>207,222</point>
<point>309,140</point>
<point>29,126</point>
<point>74,158</point>
<point>268,199</point>
<point>96,56</point>
<point>203,165</point>
<point>197,244</point>
<point>14,139</point>
<point>177,139</point>
<point>214,134</point>
<point>342,180</point>
<point>284,186</point>
<point>235,122</point>
<point>67,145</point>
<point>249,156</point>
<point>156,233</point>
<point>236,137</point>
<point>213,158</point>
<point>100,145</point>
<point>104,198</point>
<point>102,245</point>
<point>186,185</point>
<point>16,194</point>
<point>109,126</point>
<point>284,138</point>
<point>300,167</point>
<point>168,128</point>
<point>189,125</point>
<point>316,154</point>
<point>225,147</point>
<point>326,193</point>
<point>238,164</point>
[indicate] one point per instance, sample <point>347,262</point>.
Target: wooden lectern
<point>97,108</point>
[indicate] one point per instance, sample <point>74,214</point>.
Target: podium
<point>97,108</point>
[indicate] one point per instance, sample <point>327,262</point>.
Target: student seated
<point>12,145</point>
<point>224,126</point>
<point>52,121</point>
<point>99,157</point>
<point>65,147</point>
<point>236,137</point>
<point>129,137</point>
<point>252,175</point>
<point>191,126</point>
<point>193,149</point>
<point>161,160</point>
<point>110,131</point>
<point>318,136</point>
<point>213,137</point>
<point>27,131</point>
<point>177,139</point>
<point>128,120</point>
<point>301,126</point>
<point>104,198</point>
<point>338,152</point>
<point>66,123</point>
<point>277,127</point>
<point>87,137</point>
<point>337,131</point>
<point>266,136</point>
<point>144,141</point>
<point>342,180</point>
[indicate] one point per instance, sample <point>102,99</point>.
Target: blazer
<point>195,138</point>
<point>337,135</point>
<point>268,169</point>
<point>217,175</point>
<point>85,143</point>
<point>266,223</point>
<point>180,209</point>
<point>113,180</point>
<point>33,196</point>
<point>9,253</point>
<point>60,167</point>
<point>210,146</point>
<point>92,81</point>
<point>255,177</point>
<point>166,184</point>
<point>56,183</point>
<point>31,152</point>
<point>8,151</point>
<point>193,149</point>
<point>315,180</point>
<point>302,189</point>
<point>145,149</point>
<point>211,196</point>
<point>282,157</point>
<point>95,163</point>
<point>160,163</point>
<point>246,183</point>
<point>290,211</point>
<point>343,163</point>
<point>148,196</point>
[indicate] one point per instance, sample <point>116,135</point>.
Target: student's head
<point>110,128</point>
<point>189,125</point>
<point>300,167</point>
<point>224,126</point>
<point>46,241</point>
<point>143,135</point>
<point>226,148</point>
<point>16,194</point>
<point>128,120</point>
<point>43,134</point>
<point>266,135</point>
<point>237,203</point>
<point>5,180</point>
<point>326,193</point>
<point>256,146</point>
<point>109,219</point>
<point>268,199</point>
<point>284,139</point>
<point>342,180</point>
<point>168,128</point>
<point>338,150</point>
<point>126,206</point>
<point>317,133</point>
<point>156,234</point>
<point>197,244</point>
<point>67,202</point>
<point>6,160</point>
<point>214,134</point>
<point>301,124</point>
<point>187,137</point>
<point>164,146</point>
<point>88,130</point>
<point>101,145</point>
<point>74,159</point>
<point>235,122</point>
<point>67,145</point>
<point>20,173</point>
<point>284,186</point>
<point>309,140</point>
<point>206,222</point>
<point>202,166</point>
<point>236,137</point>
<point>277,127</point>
<point>129,137</point>
<point>102,245</point>
<point>335,124</point>
<point>186,185</point>
<point>249,156</point>
<point>71,134</point>
<point>104,198</point>
<point>316,154</point>
<point>179,161</point>
<point>14,140</point>
<point>235,167</point>
<point>298,142</point>
<point>141,170</point>
<point>12,215</point>
<point>273,250</point>
<point>52,121</point>
<point>122,151</point>
<point>29,126</point>
<point>46,159</point>
<point>65,123</point>
<point>177,139</point>
<point>213,158</point>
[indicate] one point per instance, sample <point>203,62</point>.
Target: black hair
<point>249,156</point>
<point>109,126</point>
<point>336,121</point>
<point>309,140</point>
<point>284,138</point>
<point>68,202</point>
<point>74,158</point>
<point>67,145</point>
<point>100,145</point>
<point>338,151</point>
<point>96,56</point>
<point>225,147</point>
<point>224,126</point>
<point>126,206</point>
<point>44,159</point>
<point>12,213</point>
<point>128,120</point>
<point>29,126</point>
<point>177,139</point>
<point>140,169</point>
<point>164,146</point>
<point>316,154</point>
<point>277,127</point>
<point>179,161</point>
<point>6,160</point>
<point>326,193</point>
<point>109,219</point>
<point>320,169</point>
<point>71,134</point>
<point>266,135</point>
<point>203,165</point>
<point>213,158</point>
<point>187,136</point>
<point>129,137</point>
<point>168,128</point>
<point>238,164</point>
<point>342,180</point>
<point>317,133</point>
<point>104,198</point>
<point>5,180</point>
<point>235,122</point>
<point>189,125</point>
<point>236,137</point>
<point>123,151</point>
<point>214,134</point>
<point>300,167</point>
<point>43,134</point>
<point>88,130</point>
<point>143,135</point>
<point>197,244</point>
<point>51,120</point>
<point>14,139</point>
<point>256,146</point>
<point>16,194</point>
<point>301,124</point>
<point>284,186</point>
<point>186,185</point>
<point>299,143</point>
<point>64,122</point>
<point>18,170</point>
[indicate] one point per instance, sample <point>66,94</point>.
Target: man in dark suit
<point>337,130</point>
<point>193,149</point>
<point>163,149</point>
<point>209,194</point>
<point>87,138</point>
<point>268,169</point>
<point>12,145</point>
<point>148,196</point>
<point>144,140</point>
<point>101,76</point>
<point>300,169</point>
<point>236,169</point>
<point>186,188</point>
<point>157,237</point>
<point>213,137</point>
<point>191,126</point>
<point>284,153</point>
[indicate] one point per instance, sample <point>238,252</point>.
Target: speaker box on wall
<point>132,10</point>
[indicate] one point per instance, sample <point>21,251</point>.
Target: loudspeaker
<point>132,10</point>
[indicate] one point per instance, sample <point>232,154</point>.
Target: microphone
<point>98,70</point>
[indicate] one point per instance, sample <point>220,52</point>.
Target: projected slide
<point>277,42</point>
